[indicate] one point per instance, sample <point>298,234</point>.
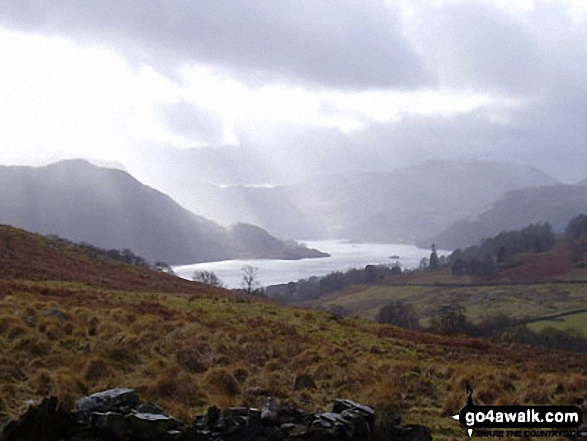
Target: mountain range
<point>399,206</point>
<point>449,203</point>
<point>556,204</point>
<point>109,208</point>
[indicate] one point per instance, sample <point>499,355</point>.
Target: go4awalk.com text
<point>517,421</point>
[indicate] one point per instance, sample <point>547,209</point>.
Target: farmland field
<point>573,321</point>
<point>522,302</point>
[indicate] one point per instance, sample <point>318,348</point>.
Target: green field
<point>523,302</point>
<point>576,321</point>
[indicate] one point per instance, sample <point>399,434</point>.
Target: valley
<point>307,220</point>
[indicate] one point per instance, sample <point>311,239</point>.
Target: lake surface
<point>344,255</point>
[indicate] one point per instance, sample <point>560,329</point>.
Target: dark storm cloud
<point>535,58</point>
<point>193,122</point>
<point>552,135</point>
<point>339,43</point>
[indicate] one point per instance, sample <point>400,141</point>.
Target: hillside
<point>402,205</point>
<point>65,331</point>
<point>515,209</point>
<point>539,289</point>
<point>36,258</point>
<point>111,209</point>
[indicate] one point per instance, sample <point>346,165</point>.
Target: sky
<point>289,82</point>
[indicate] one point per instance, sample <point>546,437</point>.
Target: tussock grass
<point>187,350</point>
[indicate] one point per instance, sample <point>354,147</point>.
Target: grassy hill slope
<point>33,257</point>
<point>70,325</point>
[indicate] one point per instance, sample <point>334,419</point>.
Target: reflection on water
<point>344,255</point>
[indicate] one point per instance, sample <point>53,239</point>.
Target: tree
<point>459,267</point>
<point>164,267</point>
<point>450,319</point>
<point>423,263</point>
<point>331,282</point>
<point>207,277</point>
<point>370,274</point>
<point>396,269</point>
<point>501,254</point>
<point>577,228</point>
<point>397,313</point>
<point>433,261</point>
<point>486,267</point>
<point>250,282</point>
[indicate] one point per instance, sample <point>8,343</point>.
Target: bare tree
<point>250,282</point>
<point>207,277</point>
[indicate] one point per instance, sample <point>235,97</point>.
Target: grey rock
<point>384,424</point>
<point>292,415</point>
<point>212,418</point>
<point>352,424</point>
<point>150,425</point>
<point>291,430</point>
<point>4,422</point>
<point>340,405</point>
<point>117,414</point>
<point>254,417</point>
<point>45,422</point>
<point>272,433</point>
<point>108,400</point>
<point>149,407</point>
<point>112,424</point>
<point>269,411</point>
<point>324,422</point>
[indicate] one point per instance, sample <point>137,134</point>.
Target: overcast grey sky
<point>395,82</point>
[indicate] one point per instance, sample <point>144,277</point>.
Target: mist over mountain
<point>516,209</point>
<point>111,209</point>
<point>403,205</point>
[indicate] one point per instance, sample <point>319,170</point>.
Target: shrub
<point>16,330</point>
<point>191,359</point>
<point>222,382</point>
<point>397,313</point>
<point>35,345</point>
<point>387,395</point>
<point>304,381</point>
<point>7,322</point>
<point>241,374</point>
<point>43,382</point>
<point>449,319</point>
<point>97,369</point>
<point>68,387</point>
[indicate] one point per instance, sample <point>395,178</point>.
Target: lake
<point>344,255</point>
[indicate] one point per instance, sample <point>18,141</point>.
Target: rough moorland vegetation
<point>70,326</point>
